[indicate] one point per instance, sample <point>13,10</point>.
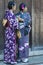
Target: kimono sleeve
<point>13,22</point>
<point>29,18</point>
<point>17,15</point>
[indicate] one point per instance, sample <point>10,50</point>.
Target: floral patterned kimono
<point>23,42</point>
<point>10,37</point>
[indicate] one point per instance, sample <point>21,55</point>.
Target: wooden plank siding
<point>37,22</point>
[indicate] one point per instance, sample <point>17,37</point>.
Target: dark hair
<point>22,6</point>
<point>10,4</point>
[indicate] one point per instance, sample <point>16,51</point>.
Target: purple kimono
<point>10,46</point>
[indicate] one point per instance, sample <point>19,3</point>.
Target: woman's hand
<point>20,19</point>
<point>4,22</point>
<point>18,34</point>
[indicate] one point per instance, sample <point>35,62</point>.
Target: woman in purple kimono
<point>10,46</point>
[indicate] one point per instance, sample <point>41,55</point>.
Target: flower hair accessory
<point>23,7</point>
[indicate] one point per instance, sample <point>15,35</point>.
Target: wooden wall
<point>37,22</point>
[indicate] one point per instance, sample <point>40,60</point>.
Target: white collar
<point>21,12</point>
<point>11,12</point>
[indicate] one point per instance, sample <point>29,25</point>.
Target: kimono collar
<point>21,12</point>
<point>11,12</point>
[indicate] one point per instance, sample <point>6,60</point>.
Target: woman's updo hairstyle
<point>22,6</point>
<point>10,4</point>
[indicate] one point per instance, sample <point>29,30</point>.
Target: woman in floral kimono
<point>10,34</point>
<point>24,28</point>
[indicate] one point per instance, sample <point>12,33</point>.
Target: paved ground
<point>36,60</point>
